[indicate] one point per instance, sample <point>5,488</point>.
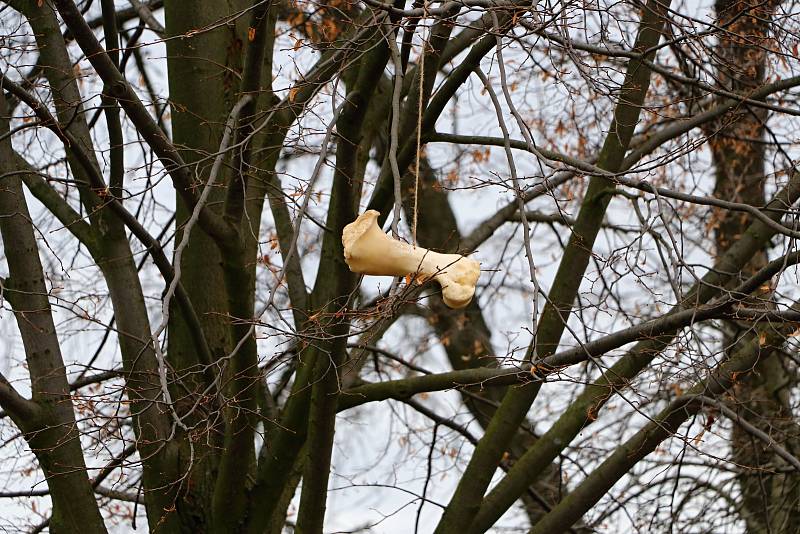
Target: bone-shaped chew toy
<point>367,250</point>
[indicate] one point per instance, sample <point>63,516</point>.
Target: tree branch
<point>119,88</point>
<point>584,409</point>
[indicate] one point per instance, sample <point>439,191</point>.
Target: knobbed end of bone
<point>367,250</point>
<point>458,281</point>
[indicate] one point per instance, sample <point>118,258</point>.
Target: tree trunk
<point>770,501</point>
<point>202,75</point>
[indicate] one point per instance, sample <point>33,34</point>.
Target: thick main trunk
<point>202,75</point>
<point>201,92</point>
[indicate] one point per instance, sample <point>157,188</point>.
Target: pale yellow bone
<point>367,250</point>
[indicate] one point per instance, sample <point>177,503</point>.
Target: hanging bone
<point>367,250</point>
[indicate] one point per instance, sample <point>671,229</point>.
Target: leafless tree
<point>182,337</point>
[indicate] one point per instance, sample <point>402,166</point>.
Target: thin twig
<point>187,229</point>
<point>395,127</point>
